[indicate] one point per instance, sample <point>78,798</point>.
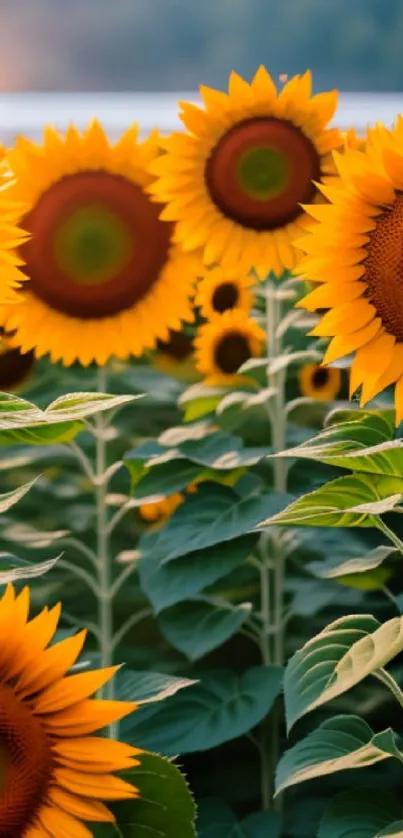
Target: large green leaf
<point>221,707</point>
<point>217,820</point>
<point>213,515</point>
<point>148,687</point>
<point>165,808</point>
<point>340,743</point>
<point>168,584</point>
<point>200,625</point>
<point>363,443</point>
<point>363,812</point>
<point>360,571</point>
<point>342,655</point>
<point>351,501</point>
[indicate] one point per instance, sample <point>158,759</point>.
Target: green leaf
<point>32,538</point>
<point>217,820</point>
<point>363,572</point>
<point>363,812</point>
<point>14,569</point>
<point>168,584</point>
<point>199,400</point>
<point>351,501</point>
<point>211,516</point>
<point>362,444</point>
<point>341,743</point>
<point>165,808</point>
<point>75,406</point>
<point>221,707</point>
<point>198,626</point>
<point>342,655</point>
<point>166,478</point>
<point>148,687</point>
<point>9,499</point>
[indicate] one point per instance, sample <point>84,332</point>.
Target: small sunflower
<point>320,383</point>
<point>15,367</point>
<point>225,343</point>
<point>221,291</point>
<point>235,180</point>
<point>354,252</point>
<point>104,277</point>
<point>53,772</point>
<point>175,356</point>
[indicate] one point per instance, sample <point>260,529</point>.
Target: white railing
<point>26,113</point>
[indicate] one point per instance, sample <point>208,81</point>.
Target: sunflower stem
<point>105,601</point>
<point>272,552</point>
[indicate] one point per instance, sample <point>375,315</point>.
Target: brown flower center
<point>15,368</point>
<point>231,352</point>
<point>260,171</point>
<point>320,377</point>
<point>25,765</point>
<point>97,245</point>
<point>384,268</point>
<point>178,347</point>
<point>225,297</point>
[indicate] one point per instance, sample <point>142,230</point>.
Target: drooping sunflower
<point>226,342</point>
<point>54,774</point>
<point>221,291</point>
<point>103,275</point>
<point>235,180</point>
<point>354,252</point>
<point>319,383</point>
<point>15,367</point>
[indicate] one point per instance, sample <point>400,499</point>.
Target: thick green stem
<point>105,601</point>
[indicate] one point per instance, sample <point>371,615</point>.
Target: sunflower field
<point>201,465</point>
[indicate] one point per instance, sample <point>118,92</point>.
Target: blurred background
<point>170,46</point>
<point>116,45</point>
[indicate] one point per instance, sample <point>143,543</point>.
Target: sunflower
<point>103,275</point>
<point>175,356</point>
<point>53,772</point>
<point>354,252</point>
<point>221,291</point>
<point>319,383</point>
<point>15,367</point>
<point>235,180</point>
<point>224,343</point>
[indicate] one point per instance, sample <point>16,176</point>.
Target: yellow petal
<point>399,401</point>
<point>74,688</point>
<point>95,754</point>
<point>80,807</point>
<point>87,716</point>
<point>59,823</point>
<point>392,373</point>
<point>51,665</point>
<point>371,360</point>
<point>327,296</point>
<point>343,345</point>
<point>98,786</point>
<point>344,319</point>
